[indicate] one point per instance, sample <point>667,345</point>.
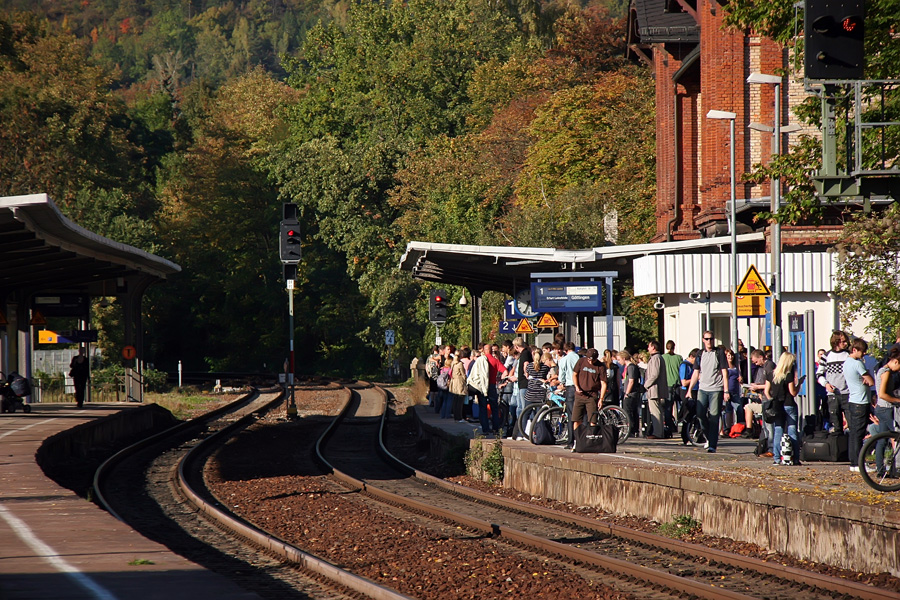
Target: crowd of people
<point>713,392</point>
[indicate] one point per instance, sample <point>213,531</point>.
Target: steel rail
<point>820,581</point>
<point>675,583</point>
<point>103,471</point>
<point>238,526</point>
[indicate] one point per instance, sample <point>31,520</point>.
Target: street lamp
<point>730,117</point>
<point>775,80</point>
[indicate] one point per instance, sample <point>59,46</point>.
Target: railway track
<point>367,513</point>
<point>638,563</point>
<point>156,487</point>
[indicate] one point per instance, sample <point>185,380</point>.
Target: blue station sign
<point>567,296</point>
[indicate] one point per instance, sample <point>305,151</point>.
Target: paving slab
<point>55,544</point>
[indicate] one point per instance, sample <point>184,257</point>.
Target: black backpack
<point>543,433</point>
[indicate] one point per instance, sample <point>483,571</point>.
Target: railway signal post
<point>289,251</point>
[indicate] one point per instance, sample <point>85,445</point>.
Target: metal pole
<point>292,406</point>
<point>734,282</point>
<point>776,236</point>
<point>609,313</point>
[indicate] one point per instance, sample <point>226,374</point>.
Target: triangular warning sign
<point>37,318</point>
<point>524,326</point>
<point>547,320</point>
<point>752,284</point>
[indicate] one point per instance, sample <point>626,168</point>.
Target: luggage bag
<point>824,447</point>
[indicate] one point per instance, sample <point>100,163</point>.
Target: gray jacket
<point>655,381</point>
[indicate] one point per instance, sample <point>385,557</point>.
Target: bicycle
<point>886,480</point>
<point>614,415</point>
<point>553,409</point>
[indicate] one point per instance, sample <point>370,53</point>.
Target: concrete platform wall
<point>852,536</point>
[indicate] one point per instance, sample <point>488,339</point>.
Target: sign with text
<point>567,296</point>
<point>751,306</point>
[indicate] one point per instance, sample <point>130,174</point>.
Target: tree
<point>61,129</point>
<point>868,273</point>
<point>593,156</point>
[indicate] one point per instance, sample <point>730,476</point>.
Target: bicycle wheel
<point>559,423</point>
<point>526,418</point>
<point>613,415</point>
<point>886,480</point>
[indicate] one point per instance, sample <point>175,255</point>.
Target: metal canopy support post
<point>609,311</point>
<point>476,317</point>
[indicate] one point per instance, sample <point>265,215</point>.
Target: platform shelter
<point>51,266</point>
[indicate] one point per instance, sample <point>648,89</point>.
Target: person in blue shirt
<point>858,381</point>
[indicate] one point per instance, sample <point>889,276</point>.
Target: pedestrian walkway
<point>55,544</point>
<point>818,511</point>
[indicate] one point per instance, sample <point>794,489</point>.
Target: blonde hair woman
<point>782,387</point>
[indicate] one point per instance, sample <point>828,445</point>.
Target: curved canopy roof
<point>40,249</point>
<point>508,269</point>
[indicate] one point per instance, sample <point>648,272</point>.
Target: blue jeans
<point>483,403</point>
<point>885,423</point>
<point>858,421</point>
<point>787,420</point>
<point>709,404</point>
<point>446,404</point>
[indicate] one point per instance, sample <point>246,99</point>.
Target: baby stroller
<point>12,391</point>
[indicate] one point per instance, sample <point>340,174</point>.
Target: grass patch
<point>140,561</point>
<point>680,526</point>
<point>188,403</point>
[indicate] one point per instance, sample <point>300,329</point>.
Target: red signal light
<point>849,24</point>
<point>438,299</point>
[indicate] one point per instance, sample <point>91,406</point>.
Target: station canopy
<point>41,250</point>
<point>508,268</point>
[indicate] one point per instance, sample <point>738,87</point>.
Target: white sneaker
<point>706,444</point>
<point>854,469</point>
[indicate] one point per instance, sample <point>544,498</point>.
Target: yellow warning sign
<point>752,284</point>
<point>524,326</point>
<point>3,321</point>
<point>37,318</point>
<point>547,320</point>
<point>751,306</point>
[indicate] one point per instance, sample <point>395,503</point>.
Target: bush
<point>478,463</point>
<point>680,526</point>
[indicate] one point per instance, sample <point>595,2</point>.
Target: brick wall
<point>702,165</point>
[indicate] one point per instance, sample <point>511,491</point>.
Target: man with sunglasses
<point>830,374</point>
<point>711,372</point>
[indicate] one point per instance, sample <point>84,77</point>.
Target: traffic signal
<point>834,32</point>
<point>437,308</point>
<point>289,236</point>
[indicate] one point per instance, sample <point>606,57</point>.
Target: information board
<point>567,296</point>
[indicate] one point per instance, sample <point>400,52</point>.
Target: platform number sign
<point>389,337</point>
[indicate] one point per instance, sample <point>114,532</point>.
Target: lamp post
<point>730,117</point>
<point>775,80</point>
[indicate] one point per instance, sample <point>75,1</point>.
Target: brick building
<point>699,66</point>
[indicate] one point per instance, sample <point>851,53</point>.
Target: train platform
<point>818,511</point>
<point>55,544</point>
